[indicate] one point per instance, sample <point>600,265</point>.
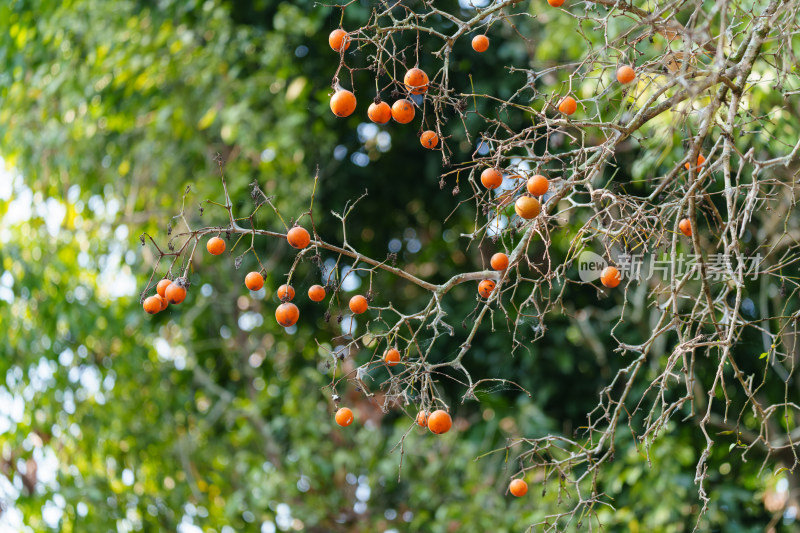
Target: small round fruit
<point>253,281</point>
<point>700,160</point>
<point>491,178</point>
<point>610,277</point>
<point>316,293</point>
<point>422,419</point>
<point>344,417</point>
<point>343,103</point>
<point>215,246</point>
<point>161,288</point>
<point>518,488</point>
<point>152,304</point>
<point>486,287</point>
<point>538,185</point>
<point>527,207</point>
<point>556,3</point>
<point>287,314</point>
<point>337,38</point>
<point>379,113</point>
<point>429,139</point>
<point>499,261</point>
<point>625,74</point>
<point>568,105</point>
<point>175,294</point>
<point>286,293</point>
<point>392,357</point>
<point>164,302</point>
<point>416,81</point>
<point>298,237</point>
<point>439,422</point>
<point>685,225</point>
<point>403,111</point>
<point>480,43</point>
<point>358,304</point>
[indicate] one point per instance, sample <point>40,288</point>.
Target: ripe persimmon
<point>556,3</point>
<point>215,246</point>
<point>162,286</point>
<point>422,419</point>
<point>164,302</point>
<point>152,304</point>
<point>480,43</point>
<point>344,417</point>
<point>568,105</point>
<point>175,293</point>
<point>379,113</point>
<point>527,207</point>
<point>491,178</point>
<point>287,314</point>
<point>701,159</point>
<point>685,225</point>
<point>499,261</point>
<point>253,281</point>
<point>316,293</point>
<point>416,81</point>
<point>518,488</point>
<point>298,237</point>
<point>625,74</point>
<point>610,277</point>
<point>429,139</point>
<point>439,422</point>
<point>538,185</point>
<point>337,38</point>
<point>343,103</point>
<point>392,357</point>
<point>358,304</point>
<point>403,111</point>
<point>486,287</point>
<point>286,293</point>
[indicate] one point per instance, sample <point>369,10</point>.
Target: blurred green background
<point>210,417</point>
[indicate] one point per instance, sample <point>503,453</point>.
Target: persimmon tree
<point>718,214</point>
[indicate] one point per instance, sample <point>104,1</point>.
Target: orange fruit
<point>568,105</point>
<point>403,111</point>
<point>358,304</point>
<point>700,160</point>
<point>416,81</point>
<point>429,139</point>
<point>391,357</point>
<point>499,261</point>
<point>253,281</point>
<point>625,74</point>
<point>486,287</point>
<point>344,417</point>
<point>422,419</point>
<point>343,103</point>
<point>480,43</point>
<point>175,293</point>
<point>286,293</point>
<point>439,422</point>
<point>610,277</point>
<point>556,3</point>
<point>527,207</point>
<point>164,302</point>
<point>538,185</point>
<point>491,178</point>
<point>518,488</point>
<point>287,314</point>
<point>685,225</point>
<point>338,37</point>
<point>379,113</point>
<point>162,286</point>
<point>316,293</point>
<point>152,304</point>
<point>215,246</point>
<point>298,237</point>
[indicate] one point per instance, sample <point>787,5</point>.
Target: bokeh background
<point>210,417</point>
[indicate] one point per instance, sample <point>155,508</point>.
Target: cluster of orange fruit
<point>438,422</point>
